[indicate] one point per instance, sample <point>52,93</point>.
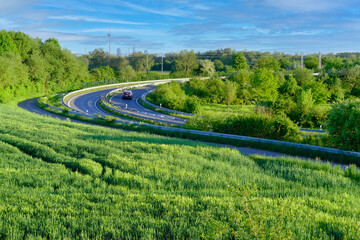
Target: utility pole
<point>302,60</point>
<point>109,35</point>
<point>162,64</point>
<point>147,61</point>
<point>320,65</point>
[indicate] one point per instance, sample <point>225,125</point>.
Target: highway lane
<point>134,106</point>
<point>88,103</point>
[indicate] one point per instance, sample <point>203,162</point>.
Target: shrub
<point>110,119</point>
<point>344,125</point>
<point>285,129</point>
<point>192,105</point>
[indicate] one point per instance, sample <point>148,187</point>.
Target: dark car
<point>127,95</point>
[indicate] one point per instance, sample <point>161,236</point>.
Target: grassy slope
<point>221,110</point>
<point>64,180</point>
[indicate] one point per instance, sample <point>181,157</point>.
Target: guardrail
<point>64,99</point>
<point>262,143</point>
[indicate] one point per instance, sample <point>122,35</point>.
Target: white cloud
<point>6,24</point>
<point>125,31</point>
<point>304,5</point>
<point>8,5</point>
<point>90,19</point>
<point>61,36</point>
<point>168,12</point>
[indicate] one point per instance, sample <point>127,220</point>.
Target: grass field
<point>219,111</point>
<point>65,180</point>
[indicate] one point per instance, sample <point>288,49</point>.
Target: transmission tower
<point>109,35</point>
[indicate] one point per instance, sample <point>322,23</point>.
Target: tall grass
<point>65,180</point>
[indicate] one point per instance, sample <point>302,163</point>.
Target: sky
<point>160,26</point>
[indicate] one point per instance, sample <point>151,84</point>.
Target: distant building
<point>118,53</point>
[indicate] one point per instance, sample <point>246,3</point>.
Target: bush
<point>344,126</point>
<point>192,105</point>
<point>285,129</point>
<point>170,95</point>
<point>110,119</point>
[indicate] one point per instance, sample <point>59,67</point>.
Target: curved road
<point>89,103</point>
<point>134,106</point>
<point>30,105</point>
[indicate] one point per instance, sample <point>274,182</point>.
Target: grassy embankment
<point>65,180</point>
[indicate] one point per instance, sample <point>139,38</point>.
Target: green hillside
<point>65,180</point>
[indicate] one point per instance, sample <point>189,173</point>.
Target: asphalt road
<point>134,106</point>
<point>88,103</point>
<point>30,105</point>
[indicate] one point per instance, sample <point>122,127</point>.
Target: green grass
<point>53,100</point>
<point>65,180</point>
<point>220,111</point>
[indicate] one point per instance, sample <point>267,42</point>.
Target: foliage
<point>185,62</point>
<point>343,125</point>
<point>7,43</point>
<point>169,95</point>
<point>268,62</point>
<point>230,89</point>
<point>219,66</point>
<point>102,73</point>
<point>264,85</point>
<point>206,67</point>
<point>320,91</point>
<point>127,72</point>
<point>37,68</point>
<point>290,87</point>
<point>311,62</point>
<point>303,76</point>
<point>242,78</point>
<point>141,62</point>
<point>239,61</point>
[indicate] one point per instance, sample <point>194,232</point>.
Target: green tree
<point>103,73</point>
<point>336,91</point>
<point>290,87</point>
<point>214,90</point>
<point>319,90</point>
<point>12,74</point>
<point>343,126</point>
<point>196,87</point>
<point>25,45</point>
<point>311,62</point>
<point>97,58</point>
<point>139,61</point>
<point>206,67</point>
<point>127,72</point>
<point>170,95</point>
<point>230,89</point>
<point>185,62</point>
<point>239,61</point>
<point>7,43</point>
<point>264,85</point>
<point>351,78</point>
<point>333,62</point>
<point>219,66</point>
<point>303,76</point>
<point>305,102</point>
<point>268,62</point>
<point>285,63</point>
<point>243,79</point>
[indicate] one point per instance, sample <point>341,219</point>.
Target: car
<point>127,95</point>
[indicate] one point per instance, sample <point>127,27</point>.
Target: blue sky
<point>290,26</point>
